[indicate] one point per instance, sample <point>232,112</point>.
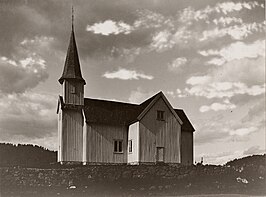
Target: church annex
<point>101,131</point>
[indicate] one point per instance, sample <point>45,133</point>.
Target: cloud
<point>197,80</point>
<point>224,21</point>
<point>110,27</point>
<point>236,51</point>
<point>216,61</point>
<point>236,32</point>
<point>241,71</point>
<point>125,74</point>
<point>177,63</point>
<point>217,107</point>
<point>254,150</point>
<point>27,67</point>
<point>211,130</point>
<point>227,7</point>
<point>162,41</point>
<point>213,22</point>
<point>139,95</point>
<point>189,14</point>
<point>256,112</point>
<point>21,76</point>
<point>149,19</point>
<point>27,115</point>
<point>243,131</point>
<point>224,89</point>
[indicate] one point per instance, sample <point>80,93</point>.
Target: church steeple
<point>72,66</point>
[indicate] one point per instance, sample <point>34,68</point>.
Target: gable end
<point>159,95</point>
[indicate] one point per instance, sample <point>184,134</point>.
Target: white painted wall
<point>59,154</point>
<point>84,156</point>
<point>133,134</point>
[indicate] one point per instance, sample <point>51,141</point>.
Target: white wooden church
<point>96,131</point>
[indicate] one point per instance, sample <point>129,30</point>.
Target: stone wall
<point>142,176</point>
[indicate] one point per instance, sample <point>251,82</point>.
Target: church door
<point>160,154</point>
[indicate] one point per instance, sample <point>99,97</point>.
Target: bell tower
<point>70,115</point>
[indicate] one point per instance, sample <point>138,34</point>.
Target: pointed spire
<point>72,66</point>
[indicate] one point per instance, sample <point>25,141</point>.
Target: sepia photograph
<point>132,98</point>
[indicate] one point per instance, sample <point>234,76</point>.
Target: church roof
<point>111,112</point>
<point>187,126</point>
<point>119,113</point>
<point>72,66</point>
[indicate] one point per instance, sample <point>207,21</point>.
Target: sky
<point>207,56</point>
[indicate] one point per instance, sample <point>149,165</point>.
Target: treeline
<point>25,155</point>
<point>248,161</point>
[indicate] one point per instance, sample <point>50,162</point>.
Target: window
<point>130,146</point>
<point>160,115</point>
<point>72,89</point>
<point>118,146</point>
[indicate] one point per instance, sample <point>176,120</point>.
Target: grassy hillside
<point>25,155</point>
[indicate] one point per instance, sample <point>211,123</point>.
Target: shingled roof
<point>119,113</point>
<point>72,66</point>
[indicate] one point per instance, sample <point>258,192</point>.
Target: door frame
<point>157,154</point>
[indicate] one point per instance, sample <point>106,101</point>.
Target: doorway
<point>160,154</point>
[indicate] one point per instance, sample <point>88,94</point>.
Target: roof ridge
<point>111,101</point>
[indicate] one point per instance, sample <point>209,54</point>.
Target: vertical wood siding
<point>71,97</point>
<point>155,133</point>
<point>187,147</point>
<point>100,143</point>
<point>72,135</point>
<point>84,156</point>
<point>59,153</point>
<point>133,134</point>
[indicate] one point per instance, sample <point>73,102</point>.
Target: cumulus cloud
<point>27,68</point>
<point>217,107</point>
<point>21,76</point>
<point>216,61</point>
<point>197,80</point>
<point>236,51</point>
<point>236,32</point>
<point>241,71</point>
<point>149,19</point>
<point>110,27</point>
<point>177,93</point>
<point>162,41</point>
<point>125,74</point>
<point>224,21</point>
<point>189,14</point>
<point>177,63</point>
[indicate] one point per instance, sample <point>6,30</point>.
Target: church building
<point>94,131</point>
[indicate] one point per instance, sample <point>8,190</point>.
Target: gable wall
<point>100,143</point>
<point>155,133</point>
